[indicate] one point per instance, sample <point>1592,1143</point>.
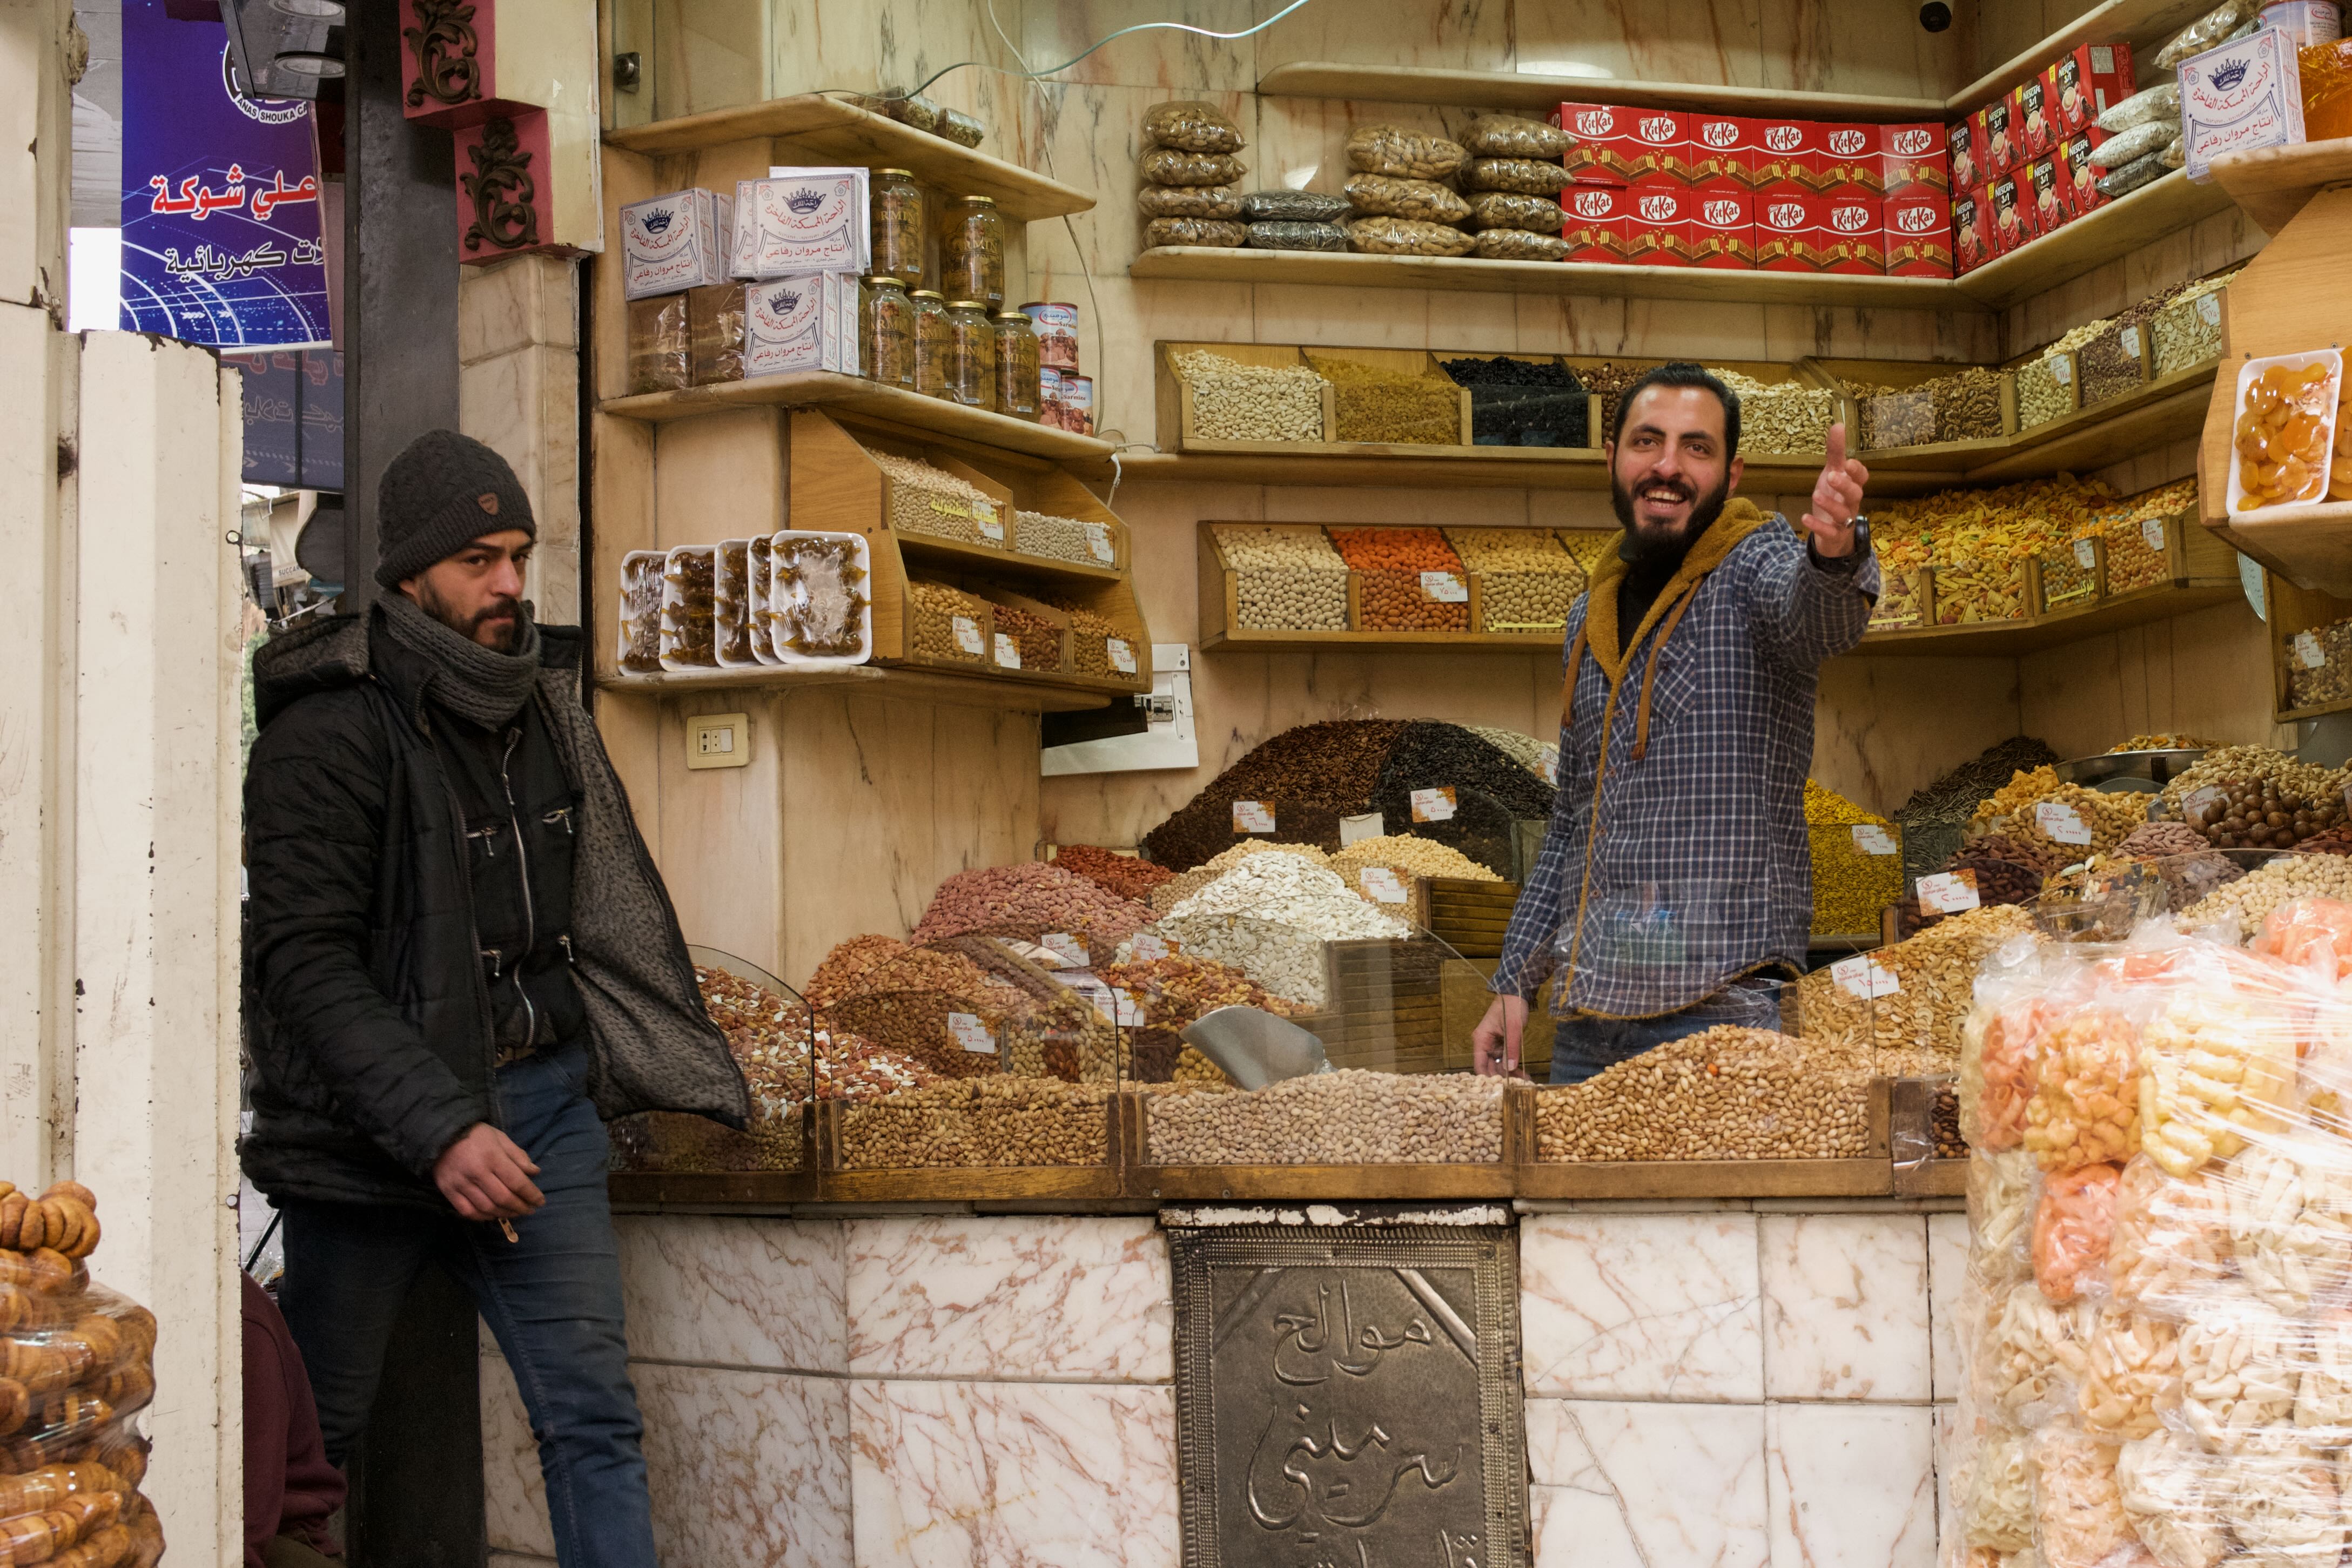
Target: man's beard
<point>1651,544</point>
<point>507,639</point>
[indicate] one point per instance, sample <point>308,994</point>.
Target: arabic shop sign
<point>220,202</point>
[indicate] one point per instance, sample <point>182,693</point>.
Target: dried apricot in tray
<point>2284,429</point>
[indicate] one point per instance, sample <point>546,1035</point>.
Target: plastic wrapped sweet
<point>1188,202</point>
<point>1192,127</point>
<point>2291,1220</point>
<point>2072,1225</point>
<point>820,599</point>
<point>2240,1364</point>
<point>1509,136</point>
<point>1403,237</point>
<point>689,627</point>
<point>1275,235</point>
<point>2131,1368</point>
<point>2032,1357</point>
<point>641,600</point>
<point>1405,154</point>
<point>2078,1508</point>
<point>1194,231</point>
<point>2167,1487</point>
<point>2170,1243</point>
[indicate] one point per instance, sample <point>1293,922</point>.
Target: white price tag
<point>2152,532</point>
<point>2130,338</point>
<point>966,635</point>
<point>1383,884</point>
<point>1948,892</point>
<point>1552,765</point>
<point>1434,805</point>
<point>2306,650</point>
<point>1122,657</point>
<point>1862,976</point>
<point>2061,823</point>
<point>1252,817</point>
<point>2086,554</point>
<point>2209,306</point>
<point>1008,653</point>
<point>1066,947</point>
<point>2061,369</point>
<point>1445,587</point>
<point>991,525</point>
<point>1356,830</point>
<point>1130,1014</point>
<point>1873,840</point>
<point>1099,544</point>
<point>1150,944</point>
<point>972,1034</point>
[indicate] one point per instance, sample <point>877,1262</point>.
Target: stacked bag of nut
<point>2156,1334</point>
<point>76,1364</point>
<point>1189,171</point>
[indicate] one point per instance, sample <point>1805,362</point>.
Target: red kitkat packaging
<point>1720,149</point>
<point>1594,222</point>
<point>1603,152</point>
<point>1971,231</point>
<point>2090,82</point>
<point>1722,229</point>
<point>2012,213</point>
<point>1912,161</point>
<point>2082,179</point>
<point>1850,237</point>
<point>1846,162</point>
<point>1657,229</point>
<point>2051,190</point>
<point>1663,137</point>
<point>1996,147</point>
<point>1960,138</point>
<point>2034,117</point>
<point>1787,237</point>
<point>1782,160</point>
<point>1918,235</point>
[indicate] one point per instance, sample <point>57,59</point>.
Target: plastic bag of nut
<point>1508,210</point>
<point>1404,155</point>
<point>1188,202</point>
<point>1517,245</point>
<point>1192,127</point>
<point>1168,166</point>
<point>1194,231</point>
<point>1424,200</point>
<point>1509,136</point>
<point>1526,176</point>
<point>1296,237</point>
<point>1294,207</point>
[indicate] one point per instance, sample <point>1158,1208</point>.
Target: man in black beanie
<point>459,961</point>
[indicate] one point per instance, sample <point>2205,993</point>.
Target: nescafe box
<point>1997,149</point>
<point>1916,236</point>
<point>1657,226</point>
<point>1913,160</point>
<point>1722,229</point>
<point>1604,151</point>
<point>1971,231</point>
<point>1960,142</point>
<point>1788,231</point>
<point>2090,82</point>
<point>1850,239</point>
<point>1784,159</point>
<point>2082,179</point>
<point>1721,147</point>
<point>2033,113</point>
<point>2051,190</point>
<point>2012,213</point>
<point>1593,222</point>
<point>1846,160</point>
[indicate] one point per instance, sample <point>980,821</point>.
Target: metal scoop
<point>1255,1048</point>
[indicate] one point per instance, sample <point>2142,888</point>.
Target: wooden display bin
<point>1918,1170</point>
<point>2292,611</point>
<point>1868,1175</point>
<point>838,1184</point>
<point>1495,1178</point>
<point>672,1183</point>
<point>1221,623</point>
<point>1905,374</point>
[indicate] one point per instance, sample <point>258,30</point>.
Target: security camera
<point>1935,15</point>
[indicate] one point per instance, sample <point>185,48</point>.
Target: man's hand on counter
<point>1494,1044</point>
<point>1837,500</point>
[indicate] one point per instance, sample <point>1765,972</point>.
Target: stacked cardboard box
<point>2020,164</point>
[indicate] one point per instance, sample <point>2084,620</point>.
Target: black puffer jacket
<point>369,1019</point>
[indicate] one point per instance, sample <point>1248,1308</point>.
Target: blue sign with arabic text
<point>220,200</point>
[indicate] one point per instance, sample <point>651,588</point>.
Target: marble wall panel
<point>1844,45</point>
<point>1032,1298</point>
<point>1630,1485</point>
<point>747,1467</point>
<point>956,1475</point>
<point>1947,1264</point>
<point>1851,1487</point>
<point>514,1492</point>
<point>513,304</point>
<point>1169,61</point>
<point>1845,1306</point>
<point>1641,1306</point>
<point>1467,35</point>
<point>743,1292</point>
<point>708,54</point>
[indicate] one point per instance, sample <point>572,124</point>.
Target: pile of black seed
<point>1932,820</point>
<point>1521,403</point>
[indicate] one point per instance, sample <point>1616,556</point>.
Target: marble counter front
<point>1736,1384</point>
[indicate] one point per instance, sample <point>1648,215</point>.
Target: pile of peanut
<point>1348,1117</point>
<point>992,1121</point>
<point>1725,1093</point>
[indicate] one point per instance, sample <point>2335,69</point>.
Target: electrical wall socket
<point>719,740</point>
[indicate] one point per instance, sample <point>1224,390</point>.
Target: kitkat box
<point>1722,229</point>
<point>1619,146</point>
<point>1916,232</point>
<point>2033,113</point>
<point>2088,82</point>
<point>1971,231</point>
<point>1593,222</point>
<point>1663,137</point>
<point>1961,142</point>
<point>1850,236</point>
<point>2082,179</point>
<point>1720,150</point>
<point>2012,213</point>
<point>1657,226</point>
<point>1788,231</point>
<point>1996,141</point>
<point>1783,158</point>
<point>2052,191</point>
<point>1846,160</point>
<point>1912,160</point>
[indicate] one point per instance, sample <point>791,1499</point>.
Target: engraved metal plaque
<point>1350,1398</point>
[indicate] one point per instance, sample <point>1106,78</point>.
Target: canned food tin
<point>1078,404</point>
<point>1057,332</point>
<point>1049,396</point>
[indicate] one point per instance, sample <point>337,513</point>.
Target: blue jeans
<point>552,1299</point>
<point>1582,1045</point>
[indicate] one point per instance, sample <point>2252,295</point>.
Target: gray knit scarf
<point>470,680</point>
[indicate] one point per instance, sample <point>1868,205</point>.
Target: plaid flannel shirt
<point>1694,867</point>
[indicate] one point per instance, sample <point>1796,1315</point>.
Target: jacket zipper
<point>466,879</point>
<point>522,869</point>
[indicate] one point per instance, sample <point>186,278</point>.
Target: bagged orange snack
<point>2070,1229</point>
<point>2086,1106</point>
<point>2009,1042</point>
<point>2314,932</point>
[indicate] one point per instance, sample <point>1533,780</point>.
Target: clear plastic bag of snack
<point>2085,1104</point>
<point>2078,1508</point>
<point>2131,1369</point>
<point>1998,1077</point>
<point>1424,201</point>
<point>2213,27</point>
<point>2291,1220</point>
<point>2283,1503</point>
<point>2323,1394</point>
<point>1273,236</point>
<point>2149,136</point>
<point>2122,181</point>
<point>2031,1357</point>
<point>2072,1225</point>
<point>1517,245</point>
<point>2161,101</point>
<point>2171,1242</point>
<point>641,600</point>
<point>1191,125</point>
<point>1523,175</point>
<point>2218,1068</point>
<point>2003,1192</point>
<point>1403,154</point>
<point>1168,166</point>
<point>1294,207</point>
<point>1188,202</point>
<point>1194,231</point>
<point>1510,210</point>
<point>659,359</point>
<point>1510,136</point>
<point>1402,237</point>
<point>2169,1490</point>
<point>2240,1362</point>
<point>1995,1497</point>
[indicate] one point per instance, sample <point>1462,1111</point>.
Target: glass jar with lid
<point>971,354</point>
<point>886,333</point>
<point>899,227</point>
<point>1017,364</point>
<point>931,341</point>
<point>972,251</point>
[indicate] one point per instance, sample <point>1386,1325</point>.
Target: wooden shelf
<point>856,394</point>
<point>1513,89</point>
<point>990,689</point>
<point>2006,639</point>
<point>1004,562</point>
<point>2274,183</point>
<point>2116,230</point>
<point>832,130</point>
<point>1244,640</point>
<point>2289,611</point>
<point>2145,25</point>
<point>1705,1178</point>
<point>2168,407</point>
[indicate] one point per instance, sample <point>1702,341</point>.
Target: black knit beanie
<point>443,492</point>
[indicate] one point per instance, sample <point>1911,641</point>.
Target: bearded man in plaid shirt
<point>1674,887</point>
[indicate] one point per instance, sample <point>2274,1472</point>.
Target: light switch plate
<point>719,740</point>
